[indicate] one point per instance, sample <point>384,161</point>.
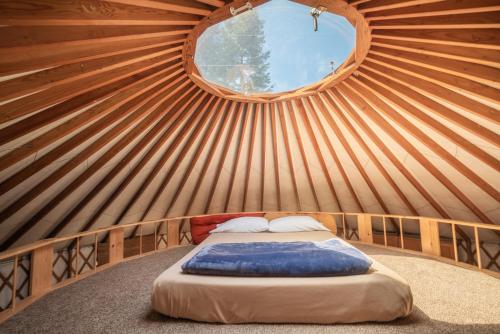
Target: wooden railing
<point>31,271</point>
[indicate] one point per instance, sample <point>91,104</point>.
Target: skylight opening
<point>273,48</point>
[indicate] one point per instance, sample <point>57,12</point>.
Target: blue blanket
<point>279,259</point>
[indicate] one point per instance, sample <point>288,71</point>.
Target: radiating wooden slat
<point>416,154</point>
<point>48,56</point>
<point>472,38</point>
<point>425,139</point>
<point>64,74</point>
<point>191,120</point>
<point>431,87</point>
<point>177,6</point>
<point>210,155</point>
<point>166,119</point>
<point>481,74</point>
<point>37,101</point>
<point>239,144</point>
<point>485,57</point>
<point>274,140</point>
<point>441,8</point>
<point>332,151</point>
<point>378,5</point>
<point>265,112</point>
<point>319,155</point>
<point>342,102</point>
<point>385,149</point>
<point>73,105</point>
<point>390,93</point>
<point>113,12</point>
<point>237,110</point>
<point>59,173</point>
<point>251,144</point>
<point>284,129</point>
<point>293,110</point>
<point>349,150</point>
<point>112,109</point>
<point>217,111</point>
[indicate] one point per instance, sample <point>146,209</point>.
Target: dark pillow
<point>201,226</point>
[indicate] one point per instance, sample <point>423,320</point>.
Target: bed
<point>379,295</point>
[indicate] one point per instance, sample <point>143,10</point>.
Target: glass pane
<point>273,48</point>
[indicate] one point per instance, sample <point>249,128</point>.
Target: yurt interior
<point>250,166</point>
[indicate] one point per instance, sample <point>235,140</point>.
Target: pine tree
<point>232,54</point>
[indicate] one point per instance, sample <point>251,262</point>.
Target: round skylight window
<point>274,48</point>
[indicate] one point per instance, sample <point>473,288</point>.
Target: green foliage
<point>232,54</point>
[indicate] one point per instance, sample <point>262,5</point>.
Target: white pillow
<point>296,224</point>
<point>243,224</point>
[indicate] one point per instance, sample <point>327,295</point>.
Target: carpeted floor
<point>447,299</point>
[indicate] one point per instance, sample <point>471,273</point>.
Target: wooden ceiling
<point>100,124</point>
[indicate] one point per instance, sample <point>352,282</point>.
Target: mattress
<point>379,295</point>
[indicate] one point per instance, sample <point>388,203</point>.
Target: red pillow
<point>201,226</point>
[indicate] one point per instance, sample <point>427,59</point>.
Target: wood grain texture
<point>104,119</point>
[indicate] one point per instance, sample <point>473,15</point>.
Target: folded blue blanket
<point>279,259</point>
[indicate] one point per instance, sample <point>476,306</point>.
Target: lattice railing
<point>29,272</point>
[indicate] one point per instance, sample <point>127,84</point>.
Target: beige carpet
<point>448,299</point>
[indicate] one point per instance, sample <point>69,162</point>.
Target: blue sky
<point>299,55</point>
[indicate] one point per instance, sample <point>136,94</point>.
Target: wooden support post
<point>156,237</point>
<point>478,248</point>
<point>344,226</point>
<point>173,228</point>
<point>401,233</point>
<point>140,239</point>
<point>365,228</point>
<point>95,252</point>
<point>41,270</point>
<point>14,282</point>
<point>429,236</point>
<point>385,231</point>
<point>115,245</point>
<point>77,253</point>
<point>328,221</point>
<point>454,235</point>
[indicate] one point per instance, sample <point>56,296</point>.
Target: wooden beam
<point>210,154</point>
<point>74,162</point>
<point>312,138</point>
<point>331,122</point>
<point>176,7</point>
<point>431,87</point>
<point>167,118</point>
<point>41,270</point>
<point>284,130</point>
<point>331,149</point>
<point>429,236</point>
<point>424,138</point>
<point>236,110</point>
<point>239,145</point>
<point>193,113</point>
<point>265,112</point>
<point>393,91</point>
<point>217,112</point>
<point>365,228</point>
<point>387,151</point>
<point>275,154</point>
<point>302,151</point>
<point>401,140</point>
<point>249,161</point>
<point>115,245</point>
